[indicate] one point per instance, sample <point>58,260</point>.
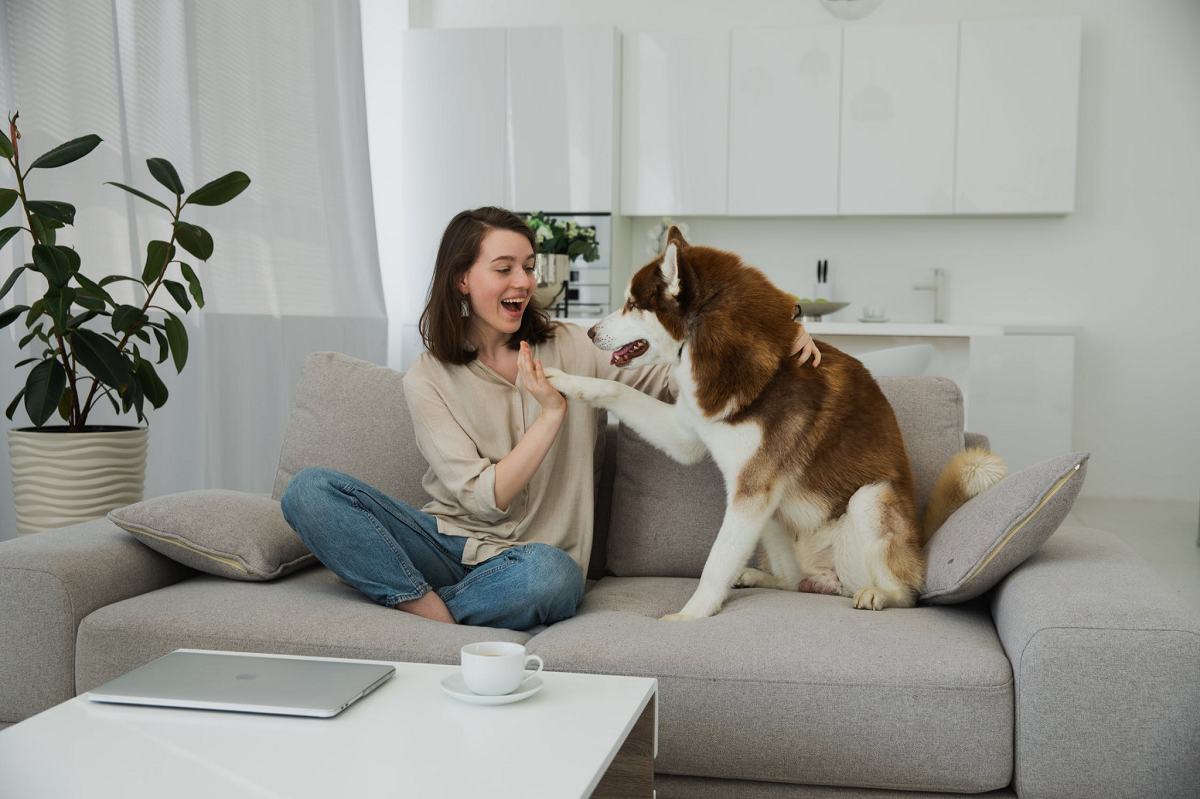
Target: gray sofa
<point>1076,676</point>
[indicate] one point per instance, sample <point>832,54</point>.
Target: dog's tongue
<point>621,353</point>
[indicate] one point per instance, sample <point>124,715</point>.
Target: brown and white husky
<point>814,464</point>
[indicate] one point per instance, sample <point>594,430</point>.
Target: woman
<point>506,537</point>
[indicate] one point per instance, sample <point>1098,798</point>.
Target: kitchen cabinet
<point>1018,115</point>
<point>675,124</point>
<point>899,90</point>
<point>562,87</point>
<point>784,98</point>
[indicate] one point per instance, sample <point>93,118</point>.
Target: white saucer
<point>457,688</point>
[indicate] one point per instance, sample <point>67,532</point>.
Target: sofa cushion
<point>227,533</point>
<point>998,530</point>
<point>350,415</point>
<point>310,612</point>
<point>802,688</point>
<point>665,516</point>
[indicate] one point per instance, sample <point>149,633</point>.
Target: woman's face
<point>500,284</point>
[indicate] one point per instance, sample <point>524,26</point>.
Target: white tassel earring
<point>466,308</point>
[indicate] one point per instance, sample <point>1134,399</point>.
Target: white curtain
<point>273,88</point>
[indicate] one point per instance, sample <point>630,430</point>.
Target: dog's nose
<point>592,332</point>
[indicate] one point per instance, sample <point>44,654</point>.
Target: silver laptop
<point>246,683</point>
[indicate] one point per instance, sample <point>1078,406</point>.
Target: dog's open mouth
<point>624,355</point>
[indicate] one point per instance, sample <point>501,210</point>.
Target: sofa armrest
<point>48,583</point>
<point>1106,659</point>
<point>976,440</point>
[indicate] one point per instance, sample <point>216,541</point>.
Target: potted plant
<point>63,474</point>
<point>559,243</point>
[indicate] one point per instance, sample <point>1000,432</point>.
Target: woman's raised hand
<point>534,380</point>
<point>806,347</point>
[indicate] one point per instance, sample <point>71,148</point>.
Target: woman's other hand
<point>534,381</point>
<point>806,347</point>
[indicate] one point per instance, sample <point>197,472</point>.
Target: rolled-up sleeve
<point>468,476</point>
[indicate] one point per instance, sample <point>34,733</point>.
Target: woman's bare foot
<point>429,606</point>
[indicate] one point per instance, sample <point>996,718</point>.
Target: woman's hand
<point>806,347</point>
<point>534,381</point>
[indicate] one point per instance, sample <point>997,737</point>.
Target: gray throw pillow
<point>227,533</point>
<point>998,530</point>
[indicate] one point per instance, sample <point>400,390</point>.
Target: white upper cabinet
<point>785,93</point>
<point>898,106</point>
<point>452,147</point>
<point>561,115</point>
<point>675,123</point>
<point>1018,115</point>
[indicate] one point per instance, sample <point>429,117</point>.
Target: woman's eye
<point>529,269</point>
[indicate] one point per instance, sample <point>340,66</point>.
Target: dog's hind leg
<point>740,533</point>
<point>877,556</point>
<point>779,556</point>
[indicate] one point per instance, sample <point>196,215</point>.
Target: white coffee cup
<point>495,668</point>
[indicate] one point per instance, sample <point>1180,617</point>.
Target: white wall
<point>1125,266</point>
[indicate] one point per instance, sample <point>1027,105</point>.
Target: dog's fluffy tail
<point>969,474</point>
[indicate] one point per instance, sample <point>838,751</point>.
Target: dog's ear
<point>674,235</point>
<point>670,267</point>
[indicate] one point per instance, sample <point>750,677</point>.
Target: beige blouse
<point>467,418</point>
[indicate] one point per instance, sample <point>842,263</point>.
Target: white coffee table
<point>581,735</point>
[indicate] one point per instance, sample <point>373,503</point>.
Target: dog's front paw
<point>870,598</point>
<point>588,389</point>
<point>678,617</point>
<point>755,578</point>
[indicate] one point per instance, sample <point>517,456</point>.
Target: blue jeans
<point>393,552</point>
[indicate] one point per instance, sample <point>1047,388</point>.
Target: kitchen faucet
<point>938,289</point>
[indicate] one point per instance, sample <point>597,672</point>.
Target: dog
<point>813,460</point>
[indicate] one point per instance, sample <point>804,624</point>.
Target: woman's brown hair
<point>443,327</point>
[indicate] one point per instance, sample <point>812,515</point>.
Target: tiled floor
<point>1164,533</point>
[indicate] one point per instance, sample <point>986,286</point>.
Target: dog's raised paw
<point>870,598</point>
<point>678,617</point>
<point>753,578</point>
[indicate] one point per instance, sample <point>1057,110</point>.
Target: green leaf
<point>115,406</point>
<point>7,234</point>
<point>163,349</point>
<point>43,229</point>
<point>94,289</point>
<point>7,151</point>
<point>43,388</point>
<point>64,405</point>
<point>177,336</point>
<point>64,154</point>
<point>58,305</point>
<point>194,239</point>
<point>143,335</point>
<point>8,197</point>
<point>132,396</point>
<point>158,253</point>
<point>51,262</point>
<point>165,174</point>
<point>73,259</point>
<point>35,310</point>
<point>221,190</point>
<point>179,293</point>
<point>19,364</point>
<point>125,316</point>
<point>12,406</point>
<point>30,337</point>
<point>137,193</point>
<point>83,318</point>
<point>193,283</point>
<point>53,209</point>
<point>12,281</point>
<point>104,281</point>
<point>101,358</point>
<point>89,302</point>
<point>152,386</point>
<point>7,317</point>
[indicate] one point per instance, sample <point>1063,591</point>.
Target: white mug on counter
<point>496,668</point>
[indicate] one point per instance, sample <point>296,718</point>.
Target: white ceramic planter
<point>61,478</point>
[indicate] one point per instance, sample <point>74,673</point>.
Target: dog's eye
<point>629,303</point>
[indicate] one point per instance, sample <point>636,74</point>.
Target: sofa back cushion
<point>665,515</point>
<point>350,415</point>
